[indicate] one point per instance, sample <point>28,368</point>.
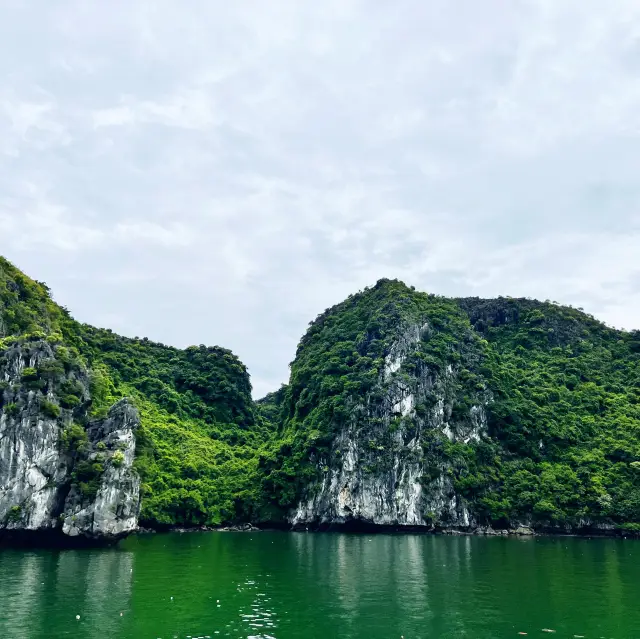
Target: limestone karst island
<point>403,411</point>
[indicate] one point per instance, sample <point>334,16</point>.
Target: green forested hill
<point>200,437</point>
<point>560,445</point>
<point>562,391</point>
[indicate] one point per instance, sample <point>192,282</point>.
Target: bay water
<point>319,586</point>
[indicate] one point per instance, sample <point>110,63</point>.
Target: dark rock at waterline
<point>240,528</point>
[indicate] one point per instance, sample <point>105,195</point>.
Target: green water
<point>300,585</point>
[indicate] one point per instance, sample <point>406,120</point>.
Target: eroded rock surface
<point>377,471</point>
<point>60,470</point>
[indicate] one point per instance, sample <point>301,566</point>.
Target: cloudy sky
<point>221,172</point>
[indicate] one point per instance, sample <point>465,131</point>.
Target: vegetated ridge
<point>403,409</point>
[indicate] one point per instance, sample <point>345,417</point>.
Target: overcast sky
<point>221,172</point>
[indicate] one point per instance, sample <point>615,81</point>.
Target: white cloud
<point>223,174</point>
<point>29,124</point>
<point>36,224</point>
<point>188,108</point>
<point>113,116</point>
<point>147,232</point>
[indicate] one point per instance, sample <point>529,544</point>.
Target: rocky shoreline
<point>480,531</point>
<point>180,529</point>
<point>55,538</point>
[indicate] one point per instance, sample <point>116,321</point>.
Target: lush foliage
<point>26,307</point>
<point>199,439</point>
<point>565,423</point>
<point>190,478</point>
<point>206,383</point>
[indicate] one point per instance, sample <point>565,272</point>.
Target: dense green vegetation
<point>26,307</point>
<point>565,423</point>
<point>199,440</point>
<point>561,390</point>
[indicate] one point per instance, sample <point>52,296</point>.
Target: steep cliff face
<point>383,386</point>
<point>113,512</point>
<point>60,470</point>
<point>383,467</point>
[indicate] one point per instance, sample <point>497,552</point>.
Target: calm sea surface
<point>302,585</point>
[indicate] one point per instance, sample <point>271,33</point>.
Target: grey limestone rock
<point>377,471</point>
<point>41,487</point>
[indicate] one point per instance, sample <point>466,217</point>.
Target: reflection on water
<point>301,585</point>
<point>259,617</point>
<point>37,588</point>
